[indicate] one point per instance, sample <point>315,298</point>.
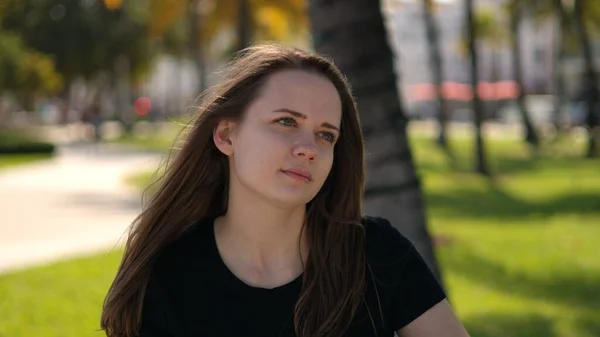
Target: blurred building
<point>408,36</point>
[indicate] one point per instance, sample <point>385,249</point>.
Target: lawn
<point>18,147</point>
<point>522,259</point>
<point>146,139</point>
<point>12,160</point>
<point>63,299</point>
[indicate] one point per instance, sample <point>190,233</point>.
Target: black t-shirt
<point>192,292</point>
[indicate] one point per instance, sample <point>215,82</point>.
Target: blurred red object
<point>142,105</point>
<point>463,92</point>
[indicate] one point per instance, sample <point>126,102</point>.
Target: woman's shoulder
<point>400,275</point>
<point>188,248</point>
<point>384,243</point>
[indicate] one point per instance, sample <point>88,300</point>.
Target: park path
<point>74,204</point>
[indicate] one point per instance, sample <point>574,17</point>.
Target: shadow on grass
<point>520,325</point>
<point>591,326</point>
<point>503,157</point>
<point>495,203</point>
<point>499,165</point>
<point>575,289</point>
<point>8,161</point>
<point>509,326</point>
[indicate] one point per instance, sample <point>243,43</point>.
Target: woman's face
<point>282,150</point>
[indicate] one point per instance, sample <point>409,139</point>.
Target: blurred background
<point>482,122</point>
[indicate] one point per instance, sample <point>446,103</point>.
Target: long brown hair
<point>334,275</point>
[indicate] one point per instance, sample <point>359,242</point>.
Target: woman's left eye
<point>328,136</point>
<point>286,121</point>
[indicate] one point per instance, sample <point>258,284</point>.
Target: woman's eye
<point>286,121</point>
<point>328,136</point>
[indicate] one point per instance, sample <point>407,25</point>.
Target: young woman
<point>256,228</point>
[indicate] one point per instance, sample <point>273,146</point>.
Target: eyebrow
<point>303,116</point>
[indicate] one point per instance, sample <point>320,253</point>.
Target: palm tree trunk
<point>196,43</point>
<point>244,28</point>
<point>515,22</point>
<point>491,107</point>
<point>591,80</point>
<point>559,56</point>
<point>353,33</point>
<point>435,60</point>
<point>481,161</point>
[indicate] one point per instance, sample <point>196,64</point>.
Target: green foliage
<point>26,72</point>
<point>59,300</point>
<point>273,20</point>
<point>9,161</point>
<point>16,142</point>
<point>542,10</point>
<point>84,37</point>
<point>490,28</point>
<point>490,31</point>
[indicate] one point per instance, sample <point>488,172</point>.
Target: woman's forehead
<point>301,91</point>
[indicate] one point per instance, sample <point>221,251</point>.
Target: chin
<point>284,196</point>
<point>292,200</point>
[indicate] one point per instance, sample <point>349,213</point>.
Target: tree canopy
<point>24,71</point>
<point>84,37</point>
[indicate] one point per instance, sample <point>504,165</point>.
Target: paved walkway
<point>74,204</point>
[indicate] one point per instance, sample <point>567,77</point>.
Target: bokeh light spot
<point>142,106</point>
<point>57,12</point>
<point>113,4</point>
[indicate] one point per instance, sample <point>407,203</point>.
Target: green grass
<point>523,254</point>
<point>12,160</point>
<point>141,179</point>
<point>147,141</point>
<point>59,300</point>
<point>522,257</point>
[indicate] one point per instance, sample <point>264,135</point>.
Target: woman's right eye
<point>287,121</point>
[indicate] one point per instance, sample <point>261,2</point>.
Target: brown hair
<point>334,275</point>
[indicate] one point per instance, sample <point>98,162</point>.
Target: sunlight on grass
<point>60,300</point>
<point>523,258</point>
<point>148,140</point>
<point>14,160</point>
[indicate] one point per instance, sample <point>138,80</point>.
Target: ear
<point>222,136</point>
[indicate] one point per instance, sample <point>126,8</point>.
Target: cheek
<point>259,151</point>
<point>326,162</point>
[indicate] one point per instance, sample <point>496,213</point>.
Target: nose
<point>307,149</point>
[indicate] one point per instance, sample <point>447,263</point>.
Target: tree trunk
<point>435,60</point>
<point>480,157</point>
<point>122,87</point>
<point>490,109</point>
<point>244,27</point>
<point>3,113</point>
<point>591,80</point>
<point>196,43</point>
<point>531,136</point>
<point>559,56</point>
<point>64,104</point>
<point>353,33</point>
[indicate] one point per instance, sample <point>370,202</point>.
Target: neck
<point>262,237</point>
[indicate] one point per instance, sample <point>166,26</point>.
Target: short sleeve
<point>417,290</point>
<point>410,286</point>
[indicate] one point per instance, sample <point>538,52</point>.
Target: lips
<point>298,174</point>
